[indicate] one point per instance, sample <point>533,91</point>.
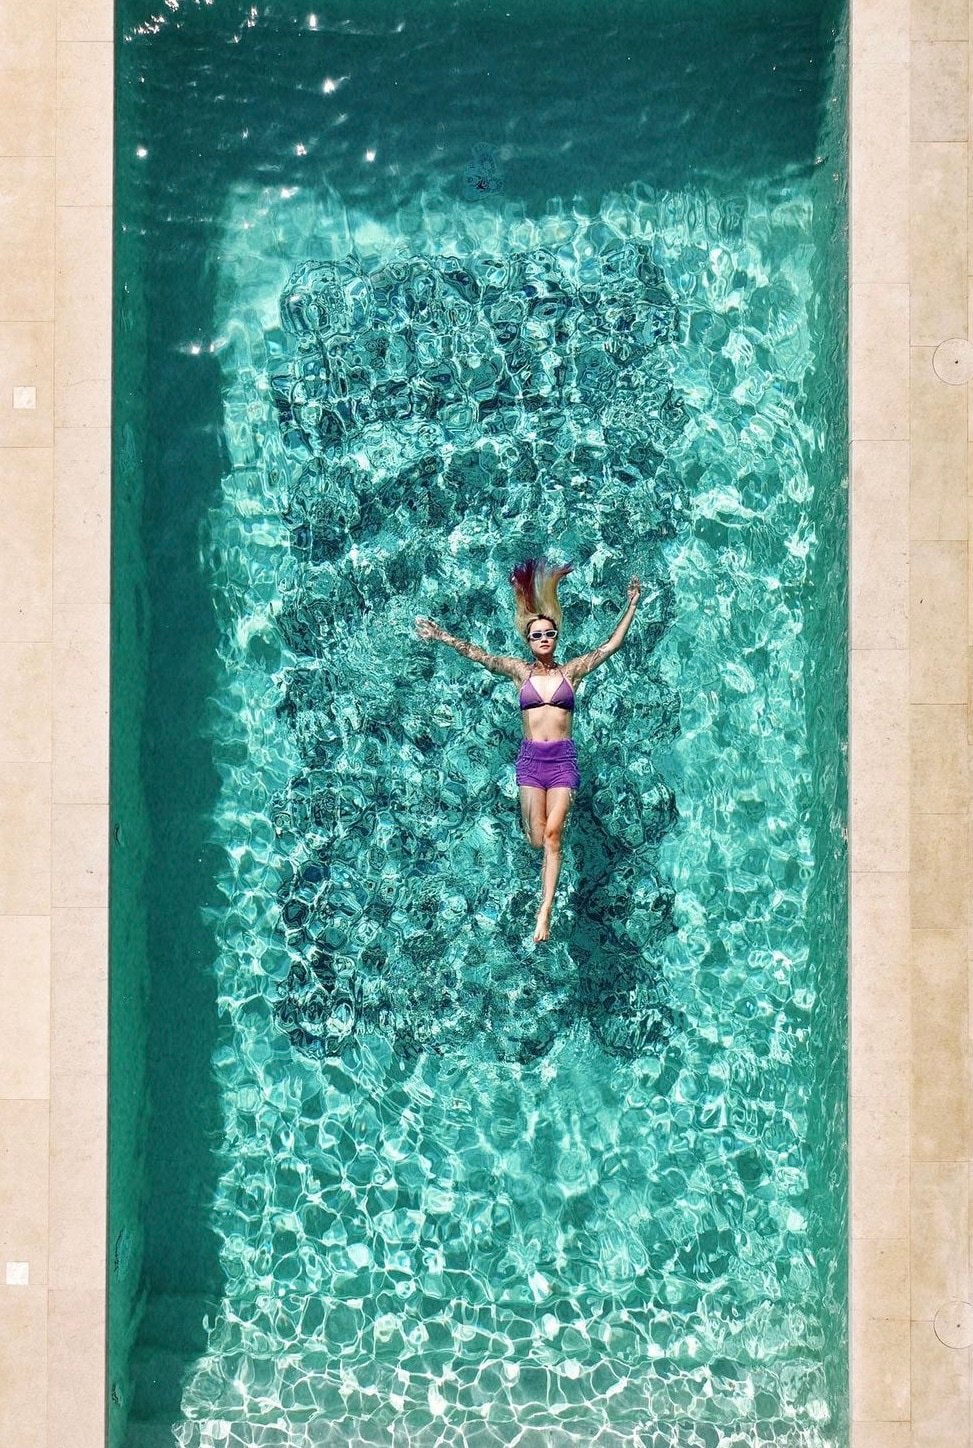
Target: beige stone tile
<point>882,1120</point>
<point>880,545</point>
<point>970,1198</point>
<point>77,1230</point>
<point>81,640</point>
<point>27,360</point>
<point>94,20</point>
<point>940,1390</point>
<point>23,1353</point>
<point>939,886</point>
<point>79,992</point>
<point>939,188</point>
<point>82,514</point>
<point>880,1277</point>
<point>881,1435</point>
<point>83,301</point>
<point>881,1022</point>
<point>25,839</point>
<point>880,174</point>
<point>80,854</point>
<point>940,1235</point>
<point>881,975</point>
<point>77,1369</point>
<point>880,1382</point>
<point>880,1095</point>
<point>879,362</point>
<point>880,1181</point>
<point>940,1046</point>
<point>879,813</point>
<point>937,599</point>
<point>938,93</point>
<point>940,19</point>
<point>939,749</point>
<point>27,238</point>
<point>969,564</point>
<point>939,498</point>
<point>27,33</point>
<point>26,493</point>
<point>84,123</point>
<point>879,1161</point>
<point>28,112</point>
<point>24,1188</point>
<point>25,701</point>
<point>879,31</point>
<point>25,1007</point>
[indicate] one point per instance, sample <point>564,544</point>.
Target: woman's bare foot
<point>543,926</point>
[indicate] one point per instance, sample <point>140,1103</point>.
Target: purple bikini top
<point>559,700</point>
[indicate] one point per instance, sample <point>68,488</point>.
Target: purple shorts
<point>550,765</point>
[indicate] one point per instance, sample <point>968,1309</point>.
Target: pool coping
<point>911,604</point>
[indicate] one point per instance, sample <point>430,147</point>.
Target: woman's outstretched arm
<point>496,663</point>
<point>577,668</point>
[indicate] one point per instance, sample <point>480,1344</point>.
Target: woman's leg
<point>558,804</point>
<point>533,814</point>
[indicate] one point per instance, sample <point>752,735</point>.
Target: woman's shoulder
<point>507,664</point>
<point>578,668</point>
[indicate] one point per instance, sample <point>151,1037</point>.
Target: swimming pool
<point>400,299</point>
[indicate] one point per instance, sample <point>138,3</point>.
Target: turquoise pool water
<point>411,1179</point>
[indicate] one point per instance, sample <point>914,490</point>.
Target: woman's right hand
<point>426,629</point>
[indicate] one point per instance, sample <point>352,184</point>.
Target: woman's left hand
<point>634,590</point>
<point>426,629</point>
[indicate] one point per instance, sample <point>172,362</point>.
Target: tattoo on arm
<point>584,663</point>
<point>496,663</point>
<point>470,651</point>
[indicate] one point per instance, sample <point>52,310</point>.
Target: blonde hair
<point>535,586</point>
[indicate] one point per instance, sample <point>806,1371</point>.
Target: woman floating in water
<point>547,763</point>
